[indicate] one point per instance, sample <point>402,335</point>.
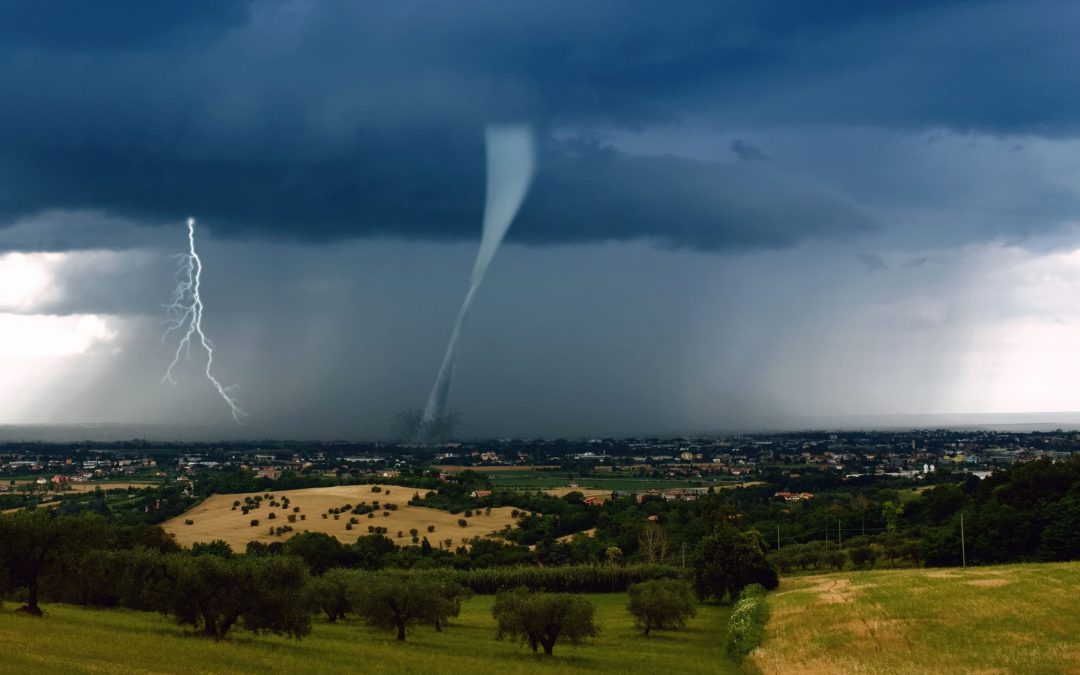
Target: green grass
<point>1006,619</point>
<point>82,640</point>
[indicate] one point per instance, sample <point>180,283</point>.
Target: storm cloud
<point>330,120</point>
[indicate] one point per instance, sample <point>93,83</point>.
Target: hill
<point>215,518</point>
<point>1007,619</point>
<point>80,640</point>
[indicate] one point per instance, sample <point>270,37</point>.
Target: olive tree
<point>397,603</point>
<point>34,543</point>
<point>541,619</point>
<point>330,593</point>
<point>661,604</point>
<point>215,593</point>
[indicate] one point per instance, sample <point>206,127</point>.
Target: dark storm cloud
<point>336,119</point>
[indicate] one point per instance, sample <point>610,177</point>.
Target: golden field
<point>215,518</point>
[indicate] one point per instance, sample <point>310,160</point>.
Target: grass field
<point>215,519</point>
<point>81,640</point>
<point>1008,619</point>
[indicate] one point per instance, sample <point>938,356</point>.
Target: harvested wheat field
<point>1007,619</point>
<point>215,517</point>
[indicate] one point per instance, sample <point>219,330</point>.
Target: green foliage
<point>330,593</point>
<point>570,579</point>
<point>746,625</point>
<point>663,604</point>
<point>396,603</point>
<point>541,619</point>
<point>35,543</point>
<point>730,559</point>
<point>214,593</point>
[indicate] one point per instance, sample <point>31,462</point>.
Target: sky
<point>744,214</point>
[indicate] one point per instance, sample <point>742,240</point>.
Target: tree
<point>34,543</point>
<point>394,603</point>
<point>653,543</point>
<point>730,559</point>
<point>863,556</point>
<point>213,594</point>
<point>445,604</point>
<point>662,604</point>
<point>329,593</point>
<point>891,512</point>
<point>541,619</point>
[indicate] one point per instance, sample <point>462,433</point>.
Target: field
<point>1008,619</point>
<point>80,640</point>
<point>215,519</point>
<point>520,478</point>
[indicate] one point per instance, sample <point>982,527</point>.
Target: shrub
<point>462,522</point>
<point>189,521</point>
<point>746,625</point>
<point>430,528</point>
<point>254,522</point>
<point>271,516</point>
<point>661,604</point>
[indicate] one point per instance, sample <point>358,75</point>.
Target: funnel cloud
<point>511,164</point>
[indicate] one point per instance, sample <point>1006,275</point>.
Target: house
<point>794,496</point>
<point>268,472</point>
<point>480,494</point>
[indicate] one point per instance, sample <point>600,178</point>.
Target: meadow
<point>1006,619</point>
<point>214,518</point>
<point>81,640</point>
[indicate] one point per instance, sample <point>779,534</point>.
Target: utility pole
<point>826,538</point>
<point>963,549</point>
<point>839,536</point>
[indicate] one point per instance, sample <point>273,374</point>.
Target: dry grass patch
<point>215,518</point>
<point>1009,619</point>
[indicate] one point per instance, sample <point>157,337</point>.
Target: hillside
<point>1007,619</point>
<point>215,517</point>
<point>81,640</point>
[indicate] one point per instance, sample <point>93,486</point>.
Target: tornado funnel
<point>511,163</point>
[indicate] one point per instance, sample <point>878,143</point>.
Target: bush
<point>430,528</point>
<point>663,604</point>
<point>254,522</point>
<point>746,625</point>
<point>462,522</point>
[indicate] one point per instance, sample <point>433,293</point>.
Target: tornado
<point>511,163</point>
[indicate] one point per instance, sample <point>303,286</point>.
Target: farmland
<point>1007,619</point>
<point>514,478</point>
<point>124,641</point>
<point>215,517</point>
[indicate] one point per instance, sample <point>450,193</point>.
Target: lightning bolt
<point>185,313</point>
